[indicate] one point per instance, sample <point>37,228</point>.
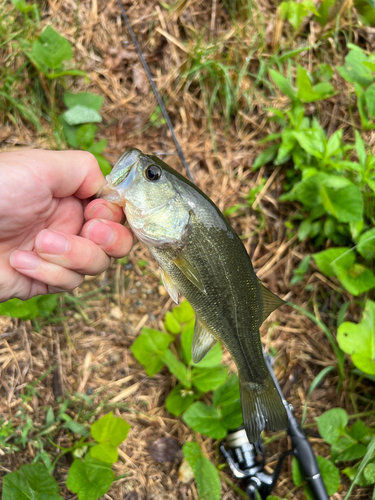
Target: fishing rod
<point>241,455</point>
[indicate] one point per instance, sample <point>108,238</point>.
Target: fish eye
<point>152,173</point>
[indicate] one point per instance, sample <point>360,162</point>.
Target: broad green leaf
<point>369,473</point>
<point>370,100</point>
<point>209,379</point>
<point>106,452</point>
<point>184,312</point>
<point>360,148</point>
<point>86,135</point>
<point>364,462</point>
<point>205,473</point>
<point>205,419</point>
<point>41,305</point>
<point>324,259</point>
<point>98,147</point>
<point>354,71</point>
<point>179,400</point>
<point>353,452</point>
<point>304,229</point>
<point>81,114</point>
<point>86,99</point>
<point>110,429</point>
<point>345,202</point>
<point>104,164</point>
<point>187,341</point>
<point>171,324</point>
<point>307,92</point>
<point>283,84</point>
<point>324,11</point>
<point>228,392</point>
<point>177,368</point>
<point>334,144</point>
<point>358,340</point>
<point>311,141</point>
<point>296,12</point>
<point>22,6</point>
<point>149,347</point>
<point>356,279</point>
<point>90,479</point>
<point>70,133</point>
<point>231,415</point>
<point>50,49</point>
<point>332,425</point>
<point>30,482</point>
<point>358,430</point>
<point>366,244</point>
<point>265,157</point>
<point>288,143</point>
<point>366,9</point>
<point>76,427</point>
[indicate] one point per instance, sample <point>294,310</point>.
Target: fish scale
<point>203,258</point>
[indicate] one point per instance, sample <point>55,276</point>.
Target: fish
<point>201,257</point>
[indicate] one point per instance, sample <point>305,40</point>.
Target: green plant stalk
<point>340,355</point>
<point>365,460</point>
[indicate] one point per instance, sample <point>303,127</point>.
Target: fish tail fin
<point>262,408</point>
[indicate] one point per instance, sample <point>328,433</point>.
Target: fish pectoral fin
<point>169,285</point>
<point>203,341</point>
<point>189,271</point>
<point>270,301</point>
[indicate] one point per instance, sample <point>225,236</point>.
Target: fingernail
<point>24,260</point>
<point>100,233</point>
<point>51,242</point>
<point>100,211</point>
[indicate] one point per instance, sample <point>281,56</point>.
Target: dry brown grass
<point>93,356</point>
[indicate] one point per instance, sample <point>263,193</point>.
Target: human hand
<point>45,247</point>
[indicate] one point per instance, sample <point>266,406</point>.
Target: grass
<point>217,86</point>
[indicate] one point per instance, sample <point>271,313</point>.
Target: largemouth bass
<point>201,257</point>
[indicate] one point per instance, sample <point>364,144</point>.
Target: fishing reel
<point>246,460</point>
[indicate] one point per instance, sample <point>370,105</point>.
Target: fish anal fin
<point>169,285</point>
<point>270,301</point>
<point>189,271</point>
<point>203,341</point>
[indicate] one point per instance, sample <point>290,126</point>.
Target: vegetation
<point>299,78</point>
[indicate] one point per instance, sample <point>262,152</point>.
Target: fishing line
<point>154,88</point>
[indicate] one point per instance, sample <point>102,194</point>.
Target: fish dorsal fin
<point>203,341</point>
<point>270,301</point>
<point>189,271</point>
<point>169,285</point>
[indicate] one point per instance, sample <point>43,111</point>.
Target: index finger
<point>65,173</point>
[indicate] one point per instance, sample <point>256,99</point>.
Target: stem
<point>235,488</point>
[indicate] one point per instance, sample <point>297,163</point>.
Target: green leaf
<point>86,135</point>
<point>231,415</point>
<point>354,71</point>
<point>356,279</point>
<point>360,148</point>
<point>90,479</point>
<point>76,427</point>
<point>324,11</point>
<point>187,341</point>
<point>98,147</point>
<point>177,368</point>
<point>205,419</point>
<point>366,244</point>
<point>110,429</point>
<point>22,6</point>
<point>70,133</point>
<point>179,400</point>
<point>304,229</point>
<point>30,482</point>
<point>171,324</point>
<point>265,157</point>
<point>212,358</point>
<point>343,202</point>
<point>41,305</point>
<point>369,473</point>
<point>370,100</point>
<point>205,473</point>
<point>105,452</point>
<point>50,49</point>
<point>209,379</point>
<point>332,425</point>
<point>299,273</point>
<point>324,259</point>
<point>366,9</point>
<point>365,461</point>
<point>104,164</point>
<point>184,312</point>
<point>228,392</point>
<point>149,348</point>
<point>358,340</point>
<point>283,84</point>
<point>352,452</point>
<point>86,99</point>
<point>81,114</point>
<point>307,92</point>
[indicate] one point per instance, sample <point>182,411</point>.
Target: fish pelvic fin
<point>203,341</point>
<point>169,285</point>
<point>262,408</point>
<point>270,301</point>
